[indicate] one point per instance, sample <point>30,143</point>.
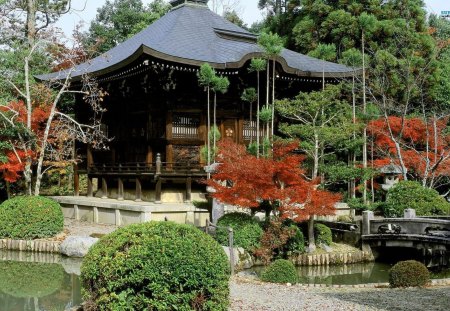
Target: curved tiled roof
<point>192,34</point>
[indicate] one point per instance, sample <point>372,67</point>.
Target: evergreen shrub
<point>156,266</point>
<point>280,271</point>
<point>411,194</point>
<point>30,217</point>
<point>322,234</point>
<point>247,230</point>
<point>408,273</point>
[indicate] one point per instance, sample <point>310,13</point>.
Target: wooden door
<point>229,129</point>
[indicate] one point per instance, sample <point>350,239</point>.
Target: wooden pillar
<point>138,196</point>
<point>158,190</point>
<point>89,158</point>
<point>188,189</point>
<point>90,187</point>
<point>149,156</point>
<point>104,188</point>
<point>76,181</point>
<point>169,156</point>
<point>119,189</point>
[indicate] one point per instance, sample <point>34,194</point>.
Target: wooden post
<point>138,196</point>
<point>104,188</point>
<point>188,189</point>
<point>89,158</point>
<point>158,190</point>
<point>90,190</point>
<point>158,163</point>
<point>119,189</point>
<point>76,181</point>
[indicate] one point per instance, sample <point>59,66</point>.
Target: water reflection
<point>351,274</point>
<point>38,282</point>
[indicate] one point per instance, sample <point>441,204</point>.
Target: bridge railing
<point>414,225</point>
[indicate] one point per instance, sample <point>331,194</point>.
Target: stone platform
<point>124,212</point>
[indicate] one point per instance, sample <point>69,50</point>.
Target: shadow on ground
<point>411,299</point>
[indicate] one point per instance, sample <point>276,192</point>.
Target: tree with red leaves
<point>278,182</point>
<point>421,147</point>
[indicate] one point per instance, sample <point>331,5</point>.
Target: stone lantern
<point>391,174</point>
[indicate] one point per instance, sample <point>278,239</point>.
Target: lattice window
<point>185,126</point>
<point>249,130</point>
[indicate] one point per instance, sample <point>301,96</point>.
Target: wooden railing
<point>157,168</point>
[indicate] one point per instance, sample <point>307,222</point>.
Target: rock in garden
<point>77,246</point>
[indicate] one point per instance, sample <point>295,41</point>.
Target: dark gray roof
<point>192,34</point>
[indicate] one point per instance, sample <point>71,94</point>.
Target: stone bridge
<point>430,237</point>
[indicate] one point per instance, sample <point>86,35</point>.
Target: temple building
<point>156,109</point>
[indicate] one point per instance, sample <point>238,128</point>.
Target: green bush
<point>408,273</point>
<point>296,243</point>
<point>280,271</point>
<point>156,266</point>
<point>27,279</point>
<point>322,234</point>
<point>30,218</point>
<point>247,230</point>
<point>411,194</point>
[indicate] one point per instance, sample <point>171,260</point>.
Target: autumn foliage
<point>424,145</point>
<point>14,157</point>
<point>244,180</point>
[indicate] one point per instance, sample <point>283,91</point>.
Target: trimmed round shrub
<point>156,266</point>
<point>30,217</point>
<point>29,279</point>
<point>280,271</point>
<point>411,194</point>
<point>408,273</point>
<point>322,234</point>
<point>247,230</point>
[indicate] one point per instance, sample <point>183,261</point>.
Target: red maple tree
<point>247,181</point>
<point>422,146</point>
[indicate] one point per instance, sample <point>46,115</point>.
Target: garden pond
<point>49,282</point>
<point>38,282</point>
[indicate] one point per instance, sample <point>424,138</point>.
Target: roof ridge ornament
<point>176,3</point>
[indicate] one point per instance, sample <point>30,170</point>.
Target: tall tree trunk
<point>8,189</point>
<point>251,121</point>
<point>31,22</point>
<point>273,98</point>
<point>353,183</point>
<point>364,112</point>
<point>311,239</point>
<point>208,143</point>
<point>315,171</point>
<point>214,124</point>
<point>257,119</point>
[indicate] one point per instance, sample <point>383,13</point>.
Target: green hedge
<point>280,271</point>
<point>29,279</point>
<point>322,234</point>
<point>30,217</point>
<point>411,194</point>
<point>156,266</point>
<point>296,244</point>
<point>408,273</point>
<point>247,230</point>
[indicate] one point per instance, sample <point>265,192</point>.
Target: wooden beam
<point>138,196</point>
<point>120,189</point>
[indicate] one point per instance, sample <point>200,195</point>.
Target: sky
<point>85,11</point>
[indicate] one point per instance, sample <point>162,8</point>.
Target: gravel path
<point>255,296</point>
<point>82,228</point>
